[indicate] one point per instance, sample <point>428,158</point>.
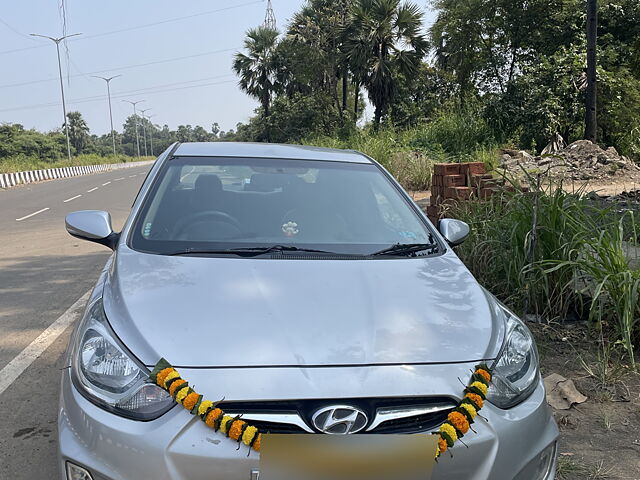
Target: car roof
<point>268,150</point>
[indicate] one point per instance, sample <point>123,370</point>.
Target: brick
<point>488,192</point>
<point>479,181</point>
<point>458,193</point>
<point>447,169</point>
<point>437,191</point>
<point>454,181</point>
<point>433,210</point>
<point>473,168</point>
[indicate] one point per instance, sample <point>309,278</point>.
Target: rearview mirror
<point>92,225</point>
<point>454,231</point>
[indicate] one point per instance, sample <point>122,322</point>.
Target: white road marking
<point>105,184</point>
<point>72,198</point>
<point>31,214</point>
<point>131,176</point>
<point>26,357</point>
<point>116,179</point>
<point>92,190</point>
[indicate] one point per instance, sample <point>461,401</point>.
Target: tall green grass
<point>457,135</point>
<point>456,131</point>
<point>556,255</point>
<point>22,163</point>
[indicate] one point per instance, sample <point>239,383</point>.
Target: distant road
<point>43,272</point>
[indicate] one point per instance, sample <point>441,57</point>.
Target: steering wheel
<point>209,215</point>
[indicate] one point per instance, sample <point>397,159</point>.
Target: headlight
<point>515,370</point>
<point>107,375</point>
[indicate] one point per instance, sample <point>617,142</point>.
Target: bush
<point>456,131</point>
<point>555,255</point>
<point>21,163</point>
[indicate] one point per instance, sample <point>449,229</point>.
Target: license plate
<point>353,457</point>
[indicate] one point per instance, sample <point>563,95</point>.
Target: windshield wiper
<point>405,249</point>
<point>246,251</point>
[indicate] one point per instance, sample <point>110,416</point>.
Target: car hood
<point>259,312</point>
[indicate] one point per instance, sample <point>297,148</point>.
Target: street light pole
<point>135,120</point>
<point>108,80</point>
<point>151,132</point>
<point>64,106</point>
<point>144,130</point>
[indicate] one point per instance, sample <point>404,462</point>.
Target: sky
<point>174,56</point>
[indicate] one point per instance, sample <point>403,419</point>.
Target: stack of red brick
<point>458,181</point>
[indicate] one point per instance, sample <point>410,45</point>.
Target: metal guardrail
<point>8,180</point>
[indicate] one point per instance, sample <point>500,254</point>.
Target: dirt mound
<point>582,160</point>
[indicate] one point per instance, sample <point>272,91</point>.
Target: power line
<point>175,19</point>
<point>18,32</point>
<point>118,95</point>
<point>147,25</point>
<point>126,67</point>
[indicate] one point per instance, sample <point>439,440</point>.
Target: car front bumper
<point>508,444</point>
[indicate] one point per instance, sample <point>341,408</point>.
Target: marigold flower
<point>170,376</point>
<point>256,444</point>
<point>225,423</point>
<point>469,409</point>
<point>480,386</point>
<point>190,401</point>
<point>484,374</point>
<point>236,429</point>
<point>476,399</point>
<point>212,416</point>
<point>459,421</point>
<point>204,406</point>
<point>449,430</point>
<point>174,386</point>
<point>442,445</point>
<point>160,377</point>
<point>249,433</point>
<point>182,394</point>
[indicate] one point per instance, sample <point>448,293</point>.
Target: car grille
<point>385,416</point>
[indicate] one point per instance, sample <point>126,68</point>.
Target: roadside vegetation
<point>28,149</point>
<point>559,257</point>
<point>21,163</point>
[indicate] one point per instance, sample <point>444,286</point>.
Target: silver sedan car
<point>298,284</point>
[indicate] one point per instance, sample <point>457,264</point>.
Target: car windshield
<point>200,205</point>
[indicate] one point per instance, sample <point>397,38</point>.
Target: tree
<point>317,31</point>
<point>78,131</point>
<point>591,122</point>
<point>257,68</point>
<point>385,41</point>
<point>419,96</point>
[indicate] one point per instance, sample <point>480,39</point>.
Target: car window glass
<point>234,203</point>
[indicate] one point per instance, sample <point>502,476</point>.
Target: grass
<point>558,255</point>
<point>24,163</point>
<point>571,469</point>
<point>409,154</point>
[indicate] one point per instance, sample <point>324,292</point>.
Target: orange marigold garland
<point>455,427</point>
<point>460,419</point>
<point>168,378</point>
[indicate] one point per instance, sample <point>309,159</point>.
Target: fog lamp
<point>542,466</point>
<point>76,472</point>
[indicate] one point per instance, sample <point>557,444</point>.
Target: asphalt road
<point>43,271</point>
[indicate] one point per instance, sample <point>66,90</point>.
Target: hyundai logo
<point>340,420</point>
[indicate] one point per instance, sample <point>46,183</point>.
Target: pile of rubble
<point>581,160</point>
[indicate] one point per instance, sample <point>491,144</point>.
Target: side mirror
<point>454,231</point>
<point>92,225</point>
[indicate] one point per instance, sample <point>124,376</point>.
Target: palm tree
<point>384,39</point>
<point>257,68</point>
<point>78,131</point>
